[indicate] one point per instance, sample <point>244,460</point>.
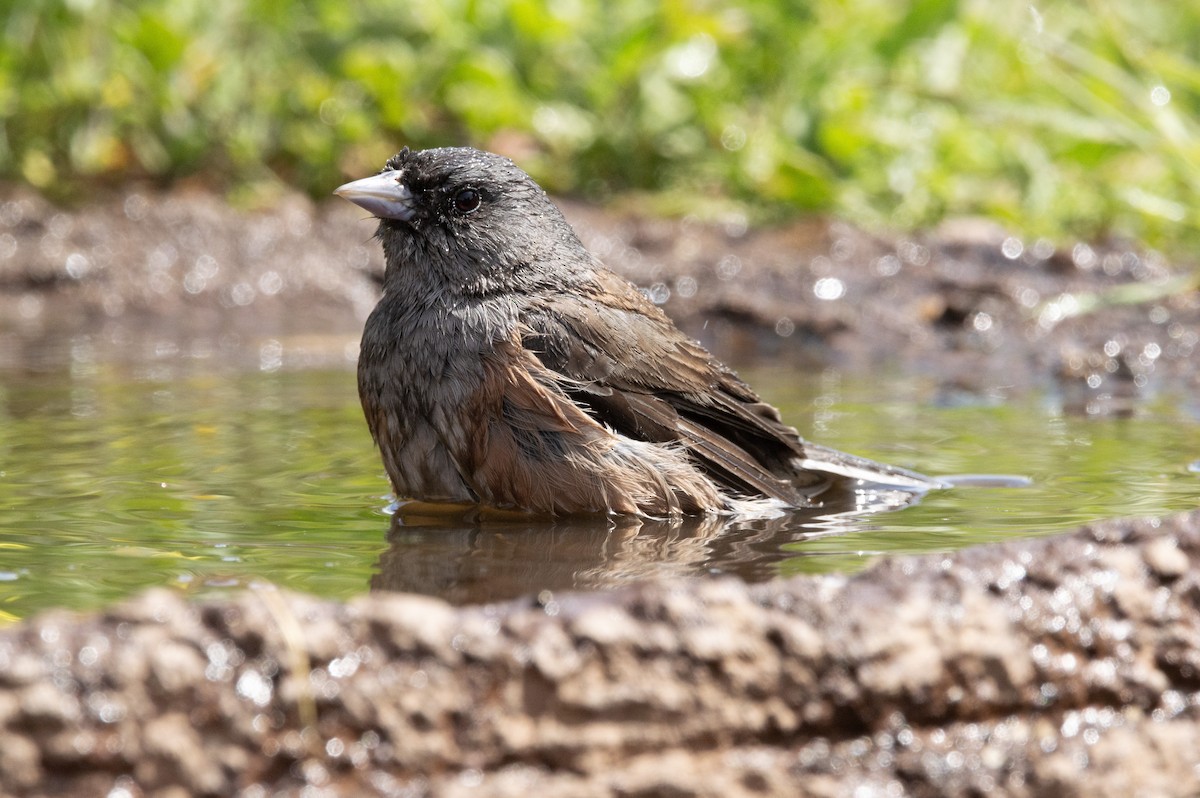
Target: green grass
<point>1054,122</point>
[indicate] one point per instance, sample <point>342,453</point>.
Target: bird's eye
<point>467,200</point>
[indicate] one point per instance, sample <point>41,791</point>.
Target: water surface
<point>117,478</point>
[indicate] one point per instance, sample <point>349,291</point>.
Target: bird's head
<point>464,221</point>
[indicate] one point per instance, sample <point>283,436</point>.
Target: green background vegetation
<point>1065,118</point>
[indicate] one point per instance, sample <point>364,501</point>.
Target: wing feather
<point>626,363</point>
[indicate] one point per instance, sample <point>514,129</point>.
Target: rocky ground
<point>1064,666</point>
<point>1068,665</point>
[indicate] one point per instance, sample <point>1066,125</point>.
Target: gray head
<point>466,222</point>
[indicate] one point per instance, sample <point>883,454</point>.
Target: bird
<point>506,367</point>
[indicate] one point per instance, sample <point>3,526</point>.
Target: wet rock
<point>1066,665</point>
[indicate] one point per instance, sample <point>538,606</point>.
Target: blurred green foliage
<point>1062,119</point>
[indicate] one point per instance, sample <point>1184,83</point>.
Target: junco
<point>505,366</point>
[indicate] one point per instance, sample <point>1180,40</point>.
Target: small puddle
<point>113,480</point>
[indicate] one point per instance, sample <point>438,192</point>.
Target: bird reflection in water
<point>467,554</point>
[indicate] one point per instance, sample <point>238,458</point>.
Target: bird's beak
<point>382,194</point>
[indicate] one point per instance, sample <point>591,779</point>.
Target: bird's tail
<point>860,469</point>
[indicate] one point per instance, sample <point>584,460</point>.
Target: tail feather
<point>831,461</point>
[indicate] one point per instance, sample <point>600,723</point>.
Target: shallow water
<point>118,478</point>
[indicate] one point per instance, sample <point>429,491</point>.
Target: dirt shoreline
<point>1060,666</point>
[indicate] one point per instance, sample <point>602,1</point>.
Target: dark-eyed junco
<point>506,366</point>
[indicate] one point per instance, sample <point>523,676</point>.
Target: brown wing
<point>625,362</point>
<point>530,446</point>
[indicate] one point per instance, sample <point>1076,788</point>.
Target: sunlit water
<point>113,480</point>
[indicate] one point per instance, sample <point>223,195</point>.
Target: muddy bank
<point>1063,666</point>
<point>144,276</point>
